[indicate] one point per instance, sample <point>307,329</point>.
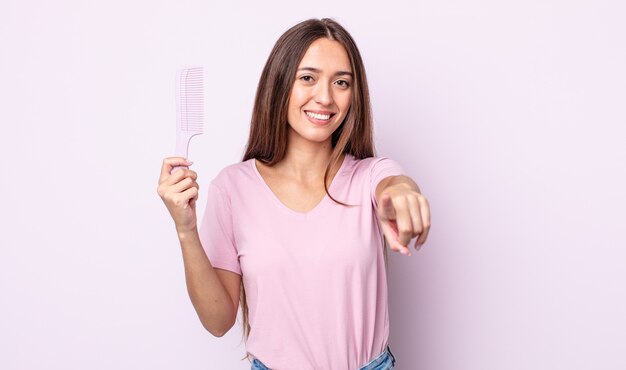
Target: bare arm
<point>214,292</point>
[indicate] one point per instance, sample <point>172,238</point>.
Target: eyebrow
<point>316,70</point>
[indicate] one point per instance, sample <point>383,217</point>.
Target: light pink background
<point>510,116</point>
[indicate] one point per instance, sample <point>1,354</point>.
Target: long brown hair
<point>269,128</point>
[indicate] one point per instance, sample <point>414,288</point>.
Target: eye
<point>343,83</point>
<point>306,78</point>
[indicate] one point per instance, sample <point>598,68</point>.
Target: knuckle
<point>405,229</point>
<point>168,198</point>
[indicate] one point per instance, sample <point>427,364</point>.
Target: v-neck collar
<point>293,212</point>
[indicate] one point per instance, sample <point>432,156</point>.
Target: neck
<point>307,161</point>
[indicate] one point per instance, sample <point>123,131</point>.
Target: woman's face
<point>321,93</point>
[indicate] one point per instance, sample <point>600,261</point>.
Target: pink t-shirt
<point>315,282</point>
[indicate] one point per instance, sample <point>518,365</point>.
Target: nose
<point>323,94</point>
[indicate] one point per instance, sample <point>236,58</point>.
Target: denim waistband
<point>384,361</point>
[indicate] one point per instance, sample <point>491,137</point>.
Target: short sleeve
<point>216,231</point>
<point>381,168</point>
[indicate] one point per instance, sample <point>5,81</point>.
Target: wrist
<point>186,233</point>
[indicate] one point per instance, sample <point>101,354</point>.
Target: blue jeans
<point>384,361</point>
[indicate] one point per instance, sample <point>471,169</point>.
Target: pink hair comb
<point>189,108</point>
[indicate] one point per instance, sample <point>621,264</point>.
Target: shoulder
<point>370,165</point>
<point>234,175</point>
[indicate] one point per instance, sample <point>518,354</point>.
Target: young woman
<point>293,232</point>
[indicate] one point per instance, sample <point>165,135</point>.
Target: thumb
<point>387,211</point>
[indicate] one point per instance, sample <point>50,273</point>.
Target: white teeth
<point>318,116</point>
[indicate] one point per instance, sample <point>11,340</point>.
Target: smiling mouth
<point>319,116</point>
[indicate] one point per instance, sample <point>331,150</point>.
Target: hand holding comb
<point>189,108</point>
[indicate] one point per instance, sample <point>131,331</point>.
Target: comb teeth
<point>190,89</point>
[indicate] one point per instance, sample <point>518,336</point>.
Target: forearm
<point>404,180</point>
<point>208,295</point>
